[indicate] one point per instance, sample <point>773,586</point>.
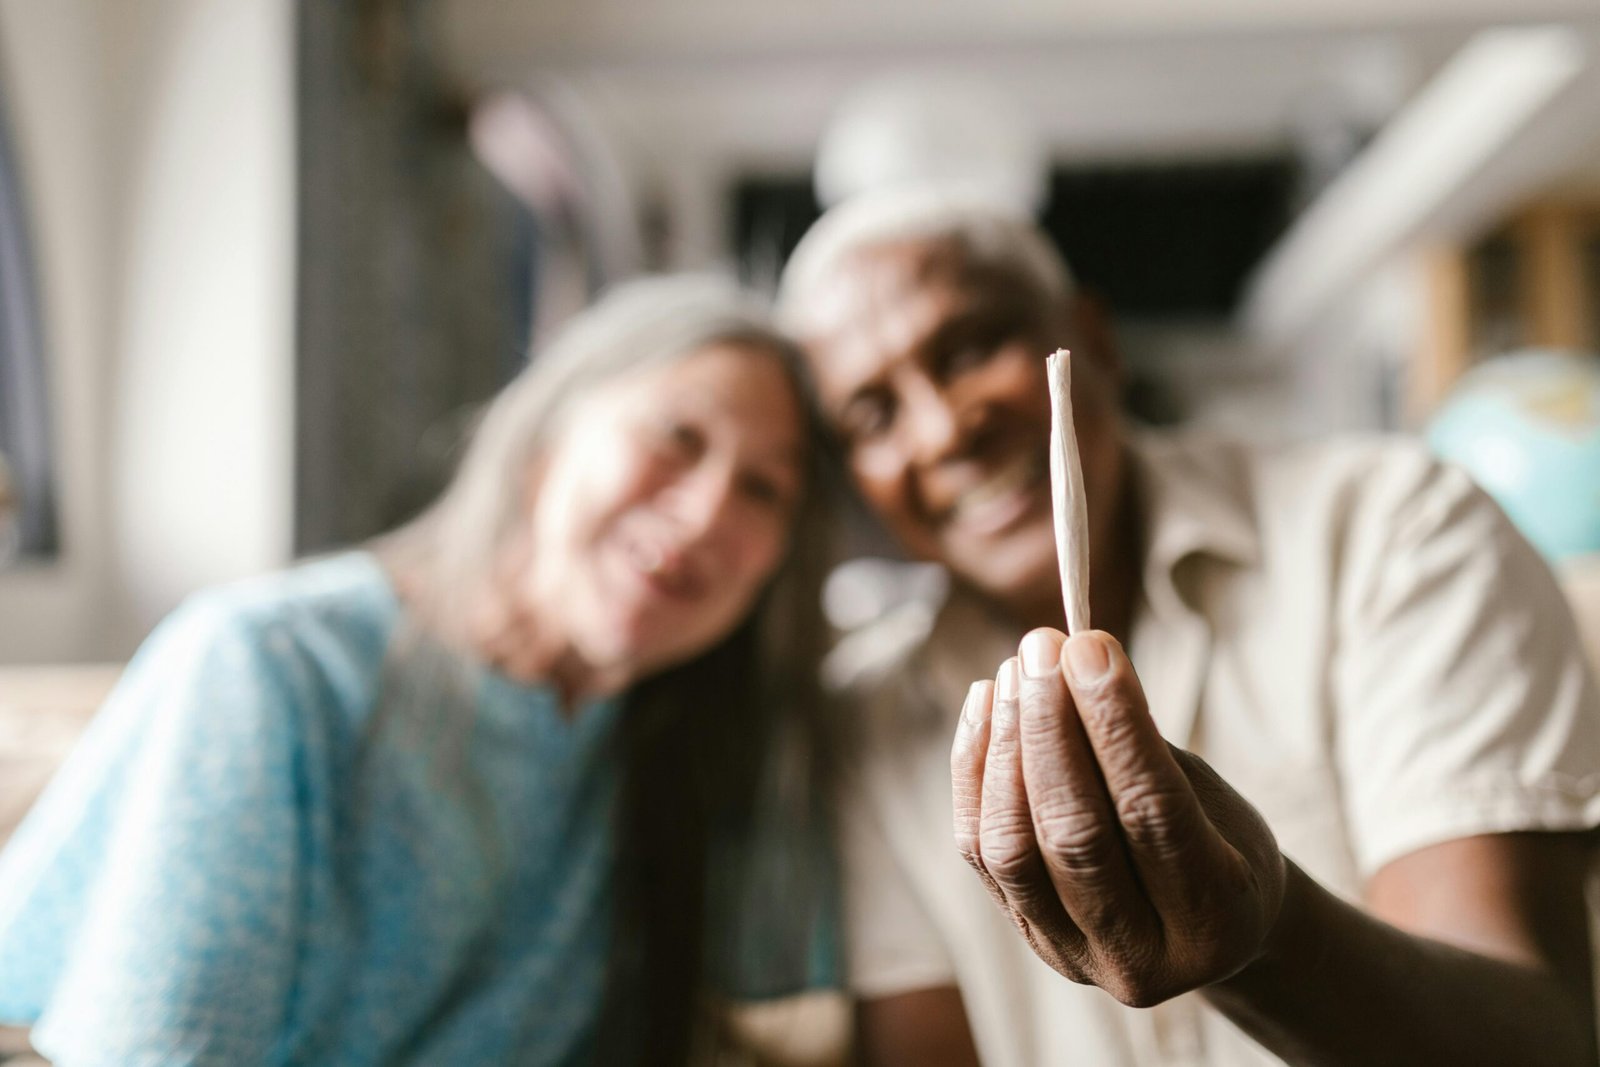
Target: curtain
<point>27,486</point>
<point>412,280</point>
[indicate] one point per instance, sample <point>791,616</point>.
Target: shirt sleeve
<point>1465,705</point>
<point>891,943</point>
<point>149,903</point>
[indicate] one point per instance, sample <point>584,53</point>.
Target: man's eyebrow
<point>972,319</point>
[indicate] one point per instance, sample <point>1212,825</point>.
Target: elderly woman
<point>528,780</point>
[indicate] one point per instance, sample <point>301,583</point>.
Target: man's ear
<point>1097,340</point>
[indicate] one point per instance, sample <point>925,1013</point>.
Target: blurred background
<point>259,259</point>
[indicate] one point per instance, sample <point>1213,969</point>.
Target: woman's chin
<point>640,639</point>
<point>628,647</point>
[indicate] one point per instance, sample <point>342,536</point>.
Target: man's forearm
<point>1339,986</point>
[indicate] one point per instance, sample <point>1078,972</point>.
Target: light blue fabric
<point>204,882</point>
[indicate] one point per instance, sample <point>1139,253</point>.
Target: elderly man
<point>1344,637</point>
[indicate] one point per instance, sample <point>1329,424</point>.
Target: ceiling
<point>497,34</point>
<point>752,84</point>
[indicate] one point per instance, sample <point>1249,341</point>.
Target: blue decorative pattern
<point>240,865</point>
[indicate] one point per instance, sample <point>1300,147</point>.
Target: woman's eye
<point>762,490</point>
<point>681,439</point>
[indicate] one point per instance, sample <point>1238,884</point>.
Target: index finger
<point>967,754</point>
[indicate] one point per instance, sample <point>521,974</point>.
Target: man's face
<point>933,374</point>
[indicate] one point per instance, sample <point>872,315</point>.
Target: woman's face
<point>664,504</point>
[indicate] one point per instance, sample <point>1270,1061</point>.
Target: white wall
<point>57,93</point>
<point>157,146</point>
<point>203,424</point>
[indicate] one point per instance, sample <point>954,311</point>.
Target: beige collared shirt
<point>1348,632</point>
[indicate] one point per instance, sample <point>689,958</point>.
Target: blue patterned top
<point>204,882</point>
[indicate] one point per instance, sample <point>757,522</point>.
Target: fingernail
<point>1087,658</point>
<point>1040,654</point>
<point>1005,683</point>
<point>976,709</point>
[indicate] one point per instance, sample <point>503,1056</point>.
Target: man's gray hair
<point>989,232</point>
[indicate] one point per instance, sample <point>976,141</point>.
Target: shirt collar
<point>1191,501</point>
<point>970,640</point>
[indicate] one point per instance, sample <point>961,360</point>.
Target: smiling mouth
<point>999,501</point>
<point>663,569</point>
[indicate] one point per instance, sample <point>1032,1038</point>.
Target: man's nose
<point>932,422</point>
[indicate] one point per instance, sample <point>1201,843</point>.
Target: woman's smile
<point>660,568</point>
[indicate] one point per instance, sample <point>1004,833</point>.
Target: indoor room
<point>737,533</point>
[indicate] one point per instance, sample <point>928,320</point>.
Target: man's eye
<point>974,350</point>
<point>866,418</point>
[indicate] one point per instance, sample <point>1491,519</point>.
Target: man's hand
<point>1125,862</point>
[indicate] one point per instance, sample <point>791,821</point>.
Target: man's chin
<point>1015,572</point>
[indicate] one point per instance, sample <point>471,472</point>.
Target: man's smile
<point>1006,495</point>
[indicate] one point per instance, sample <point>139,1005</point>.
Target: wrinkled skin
<point>1125,862</point>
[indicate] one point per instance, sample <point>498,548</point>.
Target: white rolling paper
<point>1066,492</point>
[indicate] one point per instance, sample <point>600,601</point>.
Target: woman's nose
<point>700,502</point>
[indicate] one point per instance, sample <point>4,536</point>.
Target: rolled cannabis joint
<point>1066,492</point>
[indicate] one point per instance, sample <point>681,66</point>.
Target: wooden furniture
<point>43,710</point>
<point>1533,282</point>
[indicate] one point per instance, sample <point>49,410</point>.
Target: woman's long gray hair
<point>446,557</point>
<point>725,764</point>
